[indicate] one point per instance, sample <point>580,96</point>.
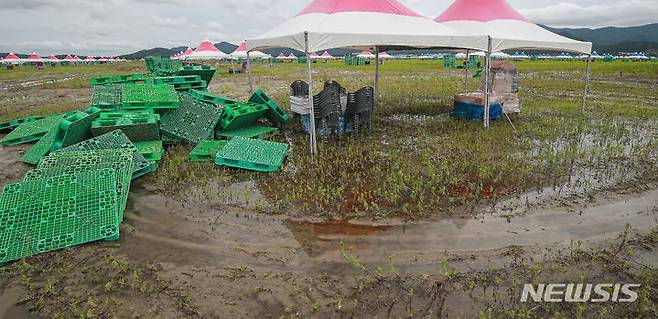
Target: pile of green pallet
<point>86,160</point>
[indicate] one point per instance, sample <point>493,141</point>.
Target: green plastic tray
<point>113,140</point>
<point>151,150</point>
<point>208,97</point>
<point>151,96</point>
<point>206,150</point>
<point>257,132</point>
<point>14,123</point>
<point>120,160</point>
<point>193,122</point>
<point>75,128</point>
<point>31,131</point>
<point>138,127</point>
<point>241,115</point>
<point>275,113</point>
<point>52,213</point>
<point>252,154</point>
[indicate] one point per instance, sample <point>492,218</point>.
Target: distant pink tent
<point>53,58</point>
<point>292,56</point>
<point>90,59</point>
<point>326,55</point>
<point>206,51</point>
<point>11,56</point>
<point>313,55</point>
<point>241,52</point>
<point>68,58</point>
<point>281,56</point>
<point>366,54</point>
<point>34,58</point>
<point>206,46</point>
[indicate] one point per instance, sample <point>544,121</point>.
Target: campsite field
<point>424,216</point>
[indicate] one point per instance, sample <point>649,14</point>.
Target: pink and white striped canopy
<point>361,24</point>
<point>241,52</point>
<point>52,58</point>
<point>507,28</point>
<point>12,56</point>
<point>68,58</point>
<point>206,51</point>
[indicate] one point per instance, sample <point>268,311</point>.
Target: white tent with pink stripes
<point>206,51</point>
<point>241,53</point>
<point>360,24</point>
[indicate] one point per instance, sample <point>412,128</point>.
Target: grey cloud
<point>622,13</point>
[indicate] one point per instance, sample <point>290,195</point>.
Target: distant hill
<point>615,39</point>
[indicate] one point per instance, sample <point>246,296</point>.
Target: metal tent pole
<point>466,72</point>
<point>251,84</point>
<point>313,141</point>
<point>487,76</point>
<point>587,78</point>
<point>376,74</point>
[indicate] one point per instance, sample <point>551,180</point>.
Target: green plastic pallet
<point>71,163</point>
<point>208,97</point>
<point>107,97</point>
<point>40,148</point>
<point>11,124</point>
<point>252,154</point>
<point>138,127</point>
<point>206,150</point>
<point>127,113</point>
<point>151,150</point>
<point>257,132</point>
<point>31,131</point>
<point>75,128</point>
<point>113,140</point>
<point>240,115</point>
<point>63,211</point>
<point>177,79</point>
<point>193,122</point>
<point>119,79</point>
<point>150,96</point>
<point>275,113</point>
<point>201,85</point>
<point>204,71</point>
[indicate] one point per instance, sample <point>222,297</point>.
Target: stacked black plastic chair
<point>299,88</point>
<point>326,105</point>
<point>334,86</point>
<point>359,108</point>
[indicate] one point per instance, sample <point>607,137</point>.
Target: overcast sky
<point>112,27</point>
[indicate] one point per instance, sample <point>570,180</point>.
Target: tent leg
<point>313,141</point>
<point>587,79</point>
<point>466,72</point>
<point>251,84</point>
<point>376,74</point>
<point>487,80</point>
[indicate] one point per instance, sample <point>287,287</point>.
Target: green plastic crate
<point>206,150</point>
<point>52,213</point>
<point>41,148</point>
<point>120,160</point>
<point>113,140</point>
<point>11,124</point>
<point>107,97</point>
<point>241,115</point>
<point>205,72</point>
<point>151,150</point>
<point>31,131</point>
<point>208,97</point>
<point>193,122</point>
<point>138,127</point>
<point>151,96</point>
<point>257,132</point>
<point>252,154</point>
<point>275,113</point>
<point>119,79</point>
<point>75,128</point>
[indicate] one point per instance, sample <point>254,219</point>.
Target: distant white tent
<point>366,55</point>
<point>326,56</point>
<point>241,53</point>
<point>385,55</point>
<point>53,59</point>
<point>206,51</point>
<point>34,58</point>
<point>11,58</point>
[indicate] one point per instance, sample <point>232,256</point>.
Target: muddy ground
<point>194,256</point>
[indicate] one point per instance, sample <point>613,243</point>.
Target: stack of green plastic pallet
<point>182,83</point>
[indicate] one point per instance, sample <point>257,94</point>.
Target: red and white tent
<point>364,24</point>
<point>281,56</point>
<point>34,58</point>
<point>206,51</point>
<point>507,28</point>
<point>90,59</point>
<point>366,54</point>
<point>326,56</point>
<point>77,58</point>
<point>68,58</point>
<point>53,59</point>
<point>241,53</point>
<point>326,24</point>
<point>291,56</point>
<point>11,58</point>
<point>385,55</point>
<point>313,55</point>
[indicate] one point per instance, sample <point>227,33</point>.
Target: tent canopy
<point>507,28</point>
<point>206,51</point>
<point>241,52</point>
<point>361,24</point>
